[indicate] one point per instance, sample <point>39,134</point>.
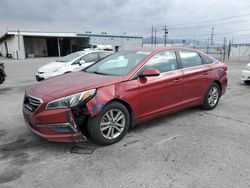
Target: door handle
<point>205,73</point>
<point>177,80</point>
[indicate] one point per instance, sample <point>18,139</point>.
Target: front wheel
<point>212,97</point>
<point>111,125</point>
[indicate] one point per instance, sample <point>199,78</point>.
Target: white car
<point>245,74</point>
<point>70,63</point>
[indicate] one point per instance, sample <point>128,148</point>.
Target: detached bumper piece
<point>56,132</point>
<point>60,128</point>
<point>48,132</point>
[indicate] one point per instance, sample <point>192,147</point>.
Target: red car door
<point>195,77</point>
<point>160,93</point>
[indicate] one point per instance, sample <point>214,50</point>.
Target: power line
<point>201,23</point>
<point>207,25</point>
<point>213,20</point>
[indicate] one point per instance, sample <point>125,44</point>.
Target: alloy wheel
<point>112,123</point>
<point>213,96</point>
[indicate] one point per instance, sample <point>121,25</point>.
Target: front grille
<point>32,103</point>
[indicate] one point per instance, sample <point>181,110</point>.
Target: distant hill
<point>160,40</point>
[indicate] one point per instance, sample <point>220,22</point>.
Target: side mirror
<point>82,62</point>
<point>150,72</point>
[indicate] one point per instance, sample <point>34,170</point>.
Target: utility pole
<point>155,36</point>
<point>207,45</point>
<point>229,50</point>
<point>212,36</point>
<point>224,49</point>
<point>152,36</point>
<point>165,34</point>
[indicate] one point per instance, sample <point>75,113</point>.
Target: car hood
<point>71,83</point>
<point>49,66</point>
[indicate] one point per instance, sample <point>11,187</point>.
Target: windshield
<point>118,64</point>
<point>69,57</point>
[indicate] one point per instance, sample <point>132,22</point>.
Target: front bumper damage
<point>64,124</point>
<point>46,125</point>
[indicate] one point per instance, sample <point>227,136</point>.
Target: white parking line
<point>167,139</point>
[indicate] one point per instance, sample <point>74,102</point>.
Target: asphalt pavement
<point>193,148</point>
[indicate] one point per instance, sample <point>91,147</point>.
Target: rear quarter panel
<point>218,72</point>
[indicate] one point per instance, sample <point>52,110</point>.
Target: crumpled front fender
<point>102,97</point>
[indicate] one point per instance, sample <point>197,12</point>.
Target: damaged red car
<point>124,89</point>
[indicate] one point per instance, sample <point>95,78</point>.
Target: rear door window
<point>190,59</point>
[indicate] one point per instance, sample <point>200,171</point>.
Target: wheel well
<point>219,84</point>
<point>132,118</point>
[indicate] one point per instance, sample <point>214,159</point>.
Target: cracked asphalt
<point>193,148</point>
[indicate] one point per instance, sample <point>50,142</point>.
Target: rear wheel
<point>111,125</point>
<point>212,97</point>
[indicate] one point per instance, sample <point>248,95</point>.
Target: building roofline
<point>107,35</point>
<point>62,34</point>
<point>4,36</point>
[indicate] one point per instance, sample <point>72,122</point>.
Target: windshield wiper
<point>96,72</point>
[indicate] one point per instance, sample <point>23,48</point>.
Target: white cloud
<point>134,17</point>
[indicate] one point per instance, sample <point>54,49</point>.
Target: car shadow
<point>164,119</point>
<point>27,142</point>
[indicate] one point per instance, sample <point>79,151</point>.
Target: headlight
<point>72,100</point>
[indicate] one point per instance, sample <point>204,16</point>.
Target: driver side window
<point>164,62</point>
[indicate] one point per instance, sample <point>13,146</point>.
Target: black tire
<point>94,124</point>
<point>208,105</point>
<point>247,82</point>
<point>1,79</point>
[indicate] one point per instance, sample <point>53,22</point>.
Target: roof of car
<point>158,49</point>
<point>85,51</point>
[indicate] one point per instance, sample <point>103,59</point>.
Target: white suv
<point>70,63</point>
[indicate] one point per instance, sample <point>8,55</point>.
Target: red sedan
<point>122,90</point>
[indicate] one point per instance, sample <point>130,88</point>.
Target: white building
<point>23,44</point>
